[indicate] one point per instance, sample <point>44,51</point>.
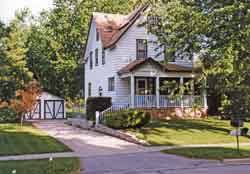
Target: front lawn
<point>15,140</point>
<point>218,153</point>
<point>184,132</point>
<point>44,166</point>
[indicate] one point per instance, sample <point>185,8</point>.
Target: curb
<point>236,161</point>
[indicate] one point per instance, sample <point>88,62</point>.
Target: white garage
<point>48,106</point>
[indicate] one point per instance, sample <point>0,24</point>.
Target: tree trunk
<point>21,120</point>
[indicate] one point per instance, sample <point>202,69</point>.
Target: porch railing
<point>169,101</point>
<point>145,101</point>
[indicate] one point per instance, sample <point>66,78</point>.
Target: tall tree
<point>218,32</point>
<point>14,72</point>
<point>58,39</point>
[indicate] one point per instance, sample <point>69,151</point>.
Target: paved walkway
<point>102,154</point>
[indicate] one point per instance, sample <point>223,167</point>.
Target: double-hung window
<point>89,89</point>
<point>141,48</point>
<point>91,60</point>
<point>103,56</point>
<point>111,84</point>
<point>96,57</point>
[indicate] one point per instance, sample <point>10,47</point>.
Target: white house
<point>121,62</point>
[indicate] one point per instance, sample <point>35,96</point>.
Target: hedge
<point>7,115</point>
<point>127,119</point>
<point>97,104</point>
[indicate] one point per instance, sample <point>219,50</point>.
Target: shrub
<point>97,104</point>
<point>7,115</point>
<point>127,119</point>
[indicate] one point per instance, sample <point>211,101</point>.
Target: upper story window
<point>152,20</point>
<point>141,48</point>
<point>91,60</point>
<point>103,56</point>
<point>97,35</point>
<point>96,57</point>
<point>111,84</point>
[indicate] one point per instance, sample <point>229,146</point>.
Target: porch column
<point>205,95</point>
<point>157,92</point>
<point>181,83</point>
<point>132,91</point>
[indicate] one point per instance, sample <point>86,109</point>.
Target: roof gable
<point>113,26</point>
<point>166,68</point>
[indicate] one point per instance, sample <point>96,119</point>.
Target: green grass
<point>57,166</point>
<point>15,140</point>
<point>218,153</point>
<point>183,132</point>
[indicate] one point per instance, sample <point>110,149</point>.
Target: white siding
<point>123,53</point>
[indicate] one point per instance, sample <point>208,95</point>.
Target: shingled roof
<point>170,67</point>
<point>111,27</point>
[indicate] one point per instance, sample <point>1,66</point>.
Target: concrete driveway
<point>102,154</point>
<point>87,143</point>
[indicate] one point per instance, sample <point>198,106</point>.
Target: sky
<point>8,7</point>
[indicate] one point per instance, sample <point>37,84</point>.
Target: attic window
<point>108,29</point>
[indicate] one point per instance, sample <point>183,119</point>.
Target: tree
<point>25,99</point>
<point>57,41</point>
<point>14,72</point>
<point>218,33</point>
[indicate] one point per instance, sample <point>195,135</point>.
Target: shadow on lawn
<point>189,125</point>
<point>19,143</point>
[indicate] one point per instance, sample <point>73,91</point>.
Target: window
<point>141,48</point>
<point>91,60</point>
<point>97,35</point>
<point>100,91</point>
<point>89,89</point>
<point>152,20</point>
<point>103,56</point>
<point>96,57</point>
<point>111,84</point>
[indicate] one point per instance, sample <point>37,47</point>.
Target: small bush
<point>97,104</point>
<point>127,119</point>
<point>7,115</point>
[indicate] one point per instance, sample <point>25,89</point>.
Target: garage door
<point>53,109</point>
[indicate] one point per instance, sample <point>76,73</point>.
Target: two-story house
<point>122,62</point>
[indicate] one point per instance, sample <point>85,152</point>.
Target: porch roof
<point>170,67</point>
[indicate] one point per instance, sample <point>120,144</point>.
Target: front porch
<point>146,79</point>
<point>145,92</point>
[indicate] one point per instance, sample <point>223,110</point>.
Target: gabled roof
<point>112,26</point>
<point>170,67</point>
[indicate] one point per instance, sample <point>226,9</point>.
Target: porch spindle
<point>157,92</point>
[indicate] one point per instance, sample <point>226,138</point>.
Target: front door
<point>141,86</point>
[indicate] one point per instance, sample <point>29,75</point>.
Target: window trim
<point>96,57</point>
<point>145,50</point>
<point>111,86</point>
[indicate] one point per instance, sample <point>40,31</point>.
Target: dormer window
<point>97,35</point>
<point>141,48</point>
